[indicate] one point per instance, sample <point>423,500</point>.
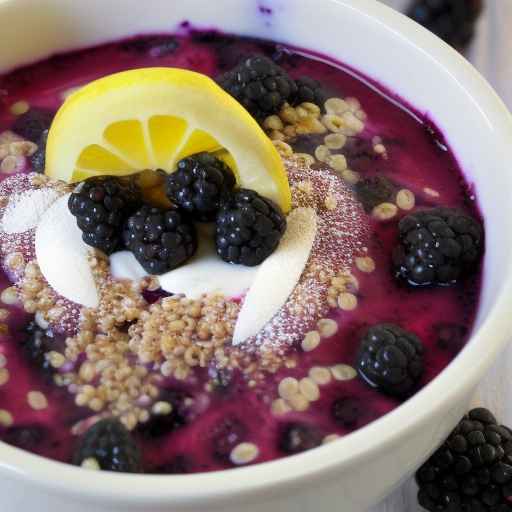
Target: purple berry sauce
<point>201,438</point>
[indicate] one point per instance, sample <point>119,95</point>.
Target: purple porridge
<point>194,400</point>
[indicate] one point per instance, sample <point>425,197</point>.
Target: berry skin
<point>161,240</point>
<point>390,359</point>
<point>472,470</point>
<point>37,344</point>
<point>309,91</point>
<point>374,191</point>
<point>33,123</point>
<point>452,20</point>
<point>260,85</point>
<point>38,159</point>
<point>111,445</point>
<point>100,206</point>
<point>199,185</point>
<point>249,228</point>
<point>437,247</point>
<point>297,437</point>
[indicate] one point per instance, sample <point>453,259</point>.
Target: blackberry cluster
<point>249,228</point>
<point>100,206</point>
<point>199,185</point>
<point>309,91</point>
<point>453,21</point>
<point>111,445</point>
<point>472,471</point>
<point>260,85</point>
<point>437,247</point>
<point>161,240</point>
<point>390,359</point>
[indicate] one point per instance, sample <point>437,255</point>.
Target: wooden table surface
<point>492,55</point>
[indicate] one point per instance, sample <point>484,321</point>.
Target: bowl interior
<point>388,48</point>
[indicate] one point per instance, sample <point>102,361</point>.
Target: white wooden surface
<point>492,55</point>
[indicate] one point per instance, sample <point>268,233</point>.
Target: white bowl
<point>358,470</point>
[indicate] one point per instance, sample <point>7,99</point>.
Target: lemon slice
<point>150,119</point>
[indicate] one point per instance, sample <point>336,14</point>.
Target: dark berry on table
<point>101,205</point>
<point>454,21</point>
<point>346,411</point>
<point>111,445</point>
<point>38,159</point>
<point>309,90</point>
<point>472,470</point>
<point>390,359</point>
<point>33,123</point>
<point>297,437</point>
<point>37,343</point>
<point>199,185</point>
<point>27,437</point>
<point>373,191</point>
<point>249,228</point>
<point>437,247</point>
<point>161,240</point>
<point>260,85</point>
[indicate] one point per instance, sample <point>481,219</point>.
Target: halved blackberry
<point>390,359</point>
<point>249,228</point>
<point>199,185</point>
<point>437,247</point>
<point>452,20</point>
<point>161,240</point>
<point>100,206</point>
<point>111,445</point>
<point>33,123</point>
<point>260,85</point>
<point>309,90</point>
<point>374,191</point>
<point>472,470</point>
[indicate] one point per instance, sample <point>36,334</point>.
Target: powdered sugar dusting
<point>342,233</point>
<point>25,209</point>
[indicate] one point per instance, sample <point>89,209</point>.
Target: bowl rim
<point>320,462</point>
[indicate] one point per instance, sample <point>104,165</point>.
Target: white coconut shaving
<point>278,275</point>
<point>204,273</point>
<point>63,256</point>
<point>24,210</point>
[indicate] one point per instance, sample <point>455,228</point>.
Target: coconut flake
<point>63,256</point>
<point>278,275</point>
<point>24,210</point>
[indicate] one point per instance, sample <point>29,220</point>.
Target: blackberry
<point>260,85</point>
<point>390,359</point>
<point>100,206</point>
<point>33,123</point>
<point>437,247</point>
<point>374,191</point>
<point>249,228</point>
<point>113,447</point>
<point>38,159</point>
<point>453,21</point>
<point>199,185</point>
<point>161,240</point>
<point>472,470</point>
<point>37,344</point>
<point>310,91</point>
<point>297,437</point>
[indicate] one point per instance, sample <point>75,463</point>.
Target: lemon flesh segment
<point>150,119</point>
